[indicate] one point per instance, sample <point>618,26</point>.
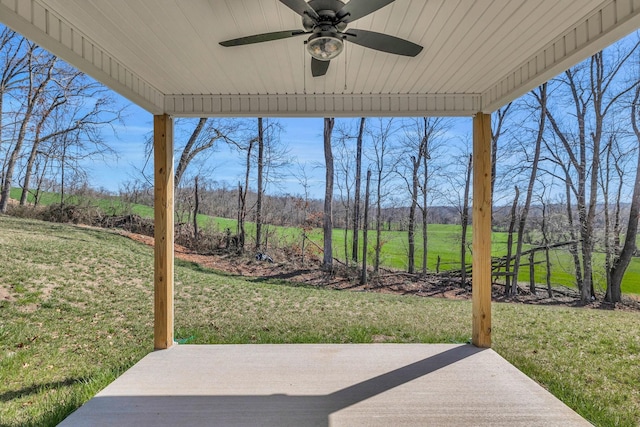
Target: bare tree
<point>620,263</point>
<point>348,179</point>
<point>594,92</point>
<point>381,135</point>
<point>68,150</point>
<point>544,228</point>
<point>55,102</point>
<point>417,142</point>
<point>271,157</point>
<point>327,262</point>
<point>260,189</point>
<point>40,67</point>
<point>344,176</point>
<point>464,222</point>
<point>496,133</point>
<point>365,231</point>
<point>202,139</point>
<point>511,280</point>
<point>303,204</point>
<point>73,104</point>
<point>356,201</point>
<point>415,161</point>
<point>457,183</point>
<point>242,198</point>
<point>196,207</point>
<point>14,69</point>
<point>564,175</point>
<point>430,170</point>
<point>612,174</point>
<point>541,97</point>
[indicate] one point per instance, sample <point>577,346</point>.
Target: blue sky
<point>302,136</point>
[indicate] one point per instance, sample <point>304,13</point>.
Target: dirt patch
<point>5,295</point>
<point>388,281</point>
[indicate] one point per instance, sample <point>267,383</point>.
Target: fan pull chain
<point>345,66</point>
<point>304,72</point>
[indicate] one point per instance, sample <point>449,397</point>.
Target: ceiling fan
<point>326,22</point>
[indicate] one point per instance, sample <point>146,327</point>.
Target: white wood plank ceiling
<point>164,54</point>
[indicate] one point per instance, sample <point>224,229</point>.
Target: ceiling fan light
<point>324,47</point>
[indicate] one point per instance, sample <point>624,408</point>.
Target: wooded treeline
<point>566,164</point>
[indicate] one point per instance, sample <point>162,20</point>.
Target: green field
<point>444,241</point>
<point>76,312</point>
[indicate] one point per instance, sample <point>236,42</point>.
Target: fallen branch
<point>322,250</point>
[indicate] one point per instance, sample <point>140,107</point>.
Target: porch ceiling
<point>164,54</point>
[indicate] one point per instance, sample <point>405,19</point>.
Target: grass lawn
<point>76,311</point>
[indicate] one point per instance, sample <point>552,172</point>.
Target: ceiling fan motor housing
<point>327,12</point>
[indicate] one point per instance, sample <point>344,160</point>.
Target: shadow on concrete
<point>246,410</point>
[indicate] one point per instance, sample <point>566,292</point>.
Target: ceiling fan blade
<point>259,38</point>
<point>300,7</point>
<point>383,42</point>
<point>319,68</point>
<point>357,9</point>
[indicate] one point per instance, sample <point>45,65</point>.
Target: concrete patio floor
<point>324,385</point>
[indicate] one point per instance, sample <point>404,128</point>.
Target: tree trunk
<point>241,217</point>
<point>365,230</point>
<point>605,181</point>
<point>464,222</point>
<point>545,241</point>
<point>376,263</point>
<point>187,155</point>
<point>346,231</point>
<point>63,161</point>
<point>2,91</point>
<point>260,189</point>
<point>495,136</point>
<point>425,213</point>
<point>40,182</point>
<point>573,248</point>
<point>532,272</point>
<point>411,228</point>
<point>327,261</point>
<point>612,231</point>
<point>26,183</point>
<point>510,280</point>
<point>587,229</point>
<point>196,209</point>
<point>356,207</point>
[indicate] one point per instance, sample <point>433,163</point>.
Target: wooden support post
<point>163,208</point>
<point>481,276</point>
